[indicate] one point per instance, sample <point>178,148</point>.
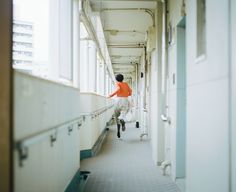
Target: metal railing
<point>23,144</point>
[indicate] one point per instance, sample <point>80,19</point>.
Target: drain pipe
<point>165,42</point>
<point>164,166</point>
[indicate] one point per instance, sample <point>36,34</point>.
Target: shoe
<point>123,124</point>
<point>118,130</point>
<point>118,134</point>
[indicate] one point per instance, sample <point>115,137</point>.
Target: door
<point>232,40</point>
<point>181,100</point>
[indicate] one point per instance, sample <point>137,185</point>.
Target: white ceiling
<point>125,24</point>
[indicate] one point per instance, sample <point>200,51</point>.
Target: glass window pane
<point>65,36</point>
<point>31,36</point>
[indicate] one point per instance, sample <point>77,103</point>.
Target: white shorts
<point>122,105</point>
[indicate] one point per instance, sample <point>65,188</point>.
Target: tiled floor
<point>125,165</point>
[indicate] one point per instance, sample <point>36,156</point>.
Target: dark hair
<point>119,77</point>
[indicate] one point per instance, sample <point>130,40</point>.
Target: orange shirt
<point>123,90</point>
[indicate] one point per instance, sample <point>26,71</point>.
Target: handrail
<point>98,112</point>
<point>22,144</point>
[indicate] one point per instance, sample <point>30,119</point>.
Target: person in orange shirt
<point>122,104</point>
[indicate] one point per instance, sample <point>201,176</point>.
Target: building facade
<point>23,46</point>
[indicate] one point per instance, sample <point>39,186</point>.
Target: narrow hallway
<point>125,165</point>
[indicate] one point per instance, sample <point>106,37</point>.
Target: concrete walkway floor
<point>125,165</point>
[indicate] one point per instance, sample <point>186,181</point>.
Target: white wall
<point>207,98</point>
<point>233,94</point>
<point>207,102</point>
<point>92,127</point>
<point>174,18</point>
<point>38,106</point>
<point>91,102</point>
<point>41,104</point>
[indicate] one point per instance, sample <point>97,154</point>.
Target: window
<point>42,38</point>
<point>65,40</point>
<point>201,28</point>
<point>31,36</point>
<point>100,79</point>
<point>107,84</point>
<point>84,78</point>
<point>93,56</point>
<point>92,62</point>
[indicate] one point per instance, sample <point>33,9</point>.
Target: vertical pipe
<point>87,75</point>
<point>164,47</point>
<point>145,79</point>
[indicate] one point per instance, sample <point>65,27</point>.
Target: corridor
<point>59,62</point>
<point>125,165</point>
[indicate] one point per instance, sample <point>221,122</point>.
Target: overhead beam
<point>120,56</point>
<point>136,45</point>
<point>124,71</point>
<point>94,1</point>
<point>123,67</point>
<point>130,47</point>
<point>130,63</point>
<point>145,10</point>
<point>115,31</point>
